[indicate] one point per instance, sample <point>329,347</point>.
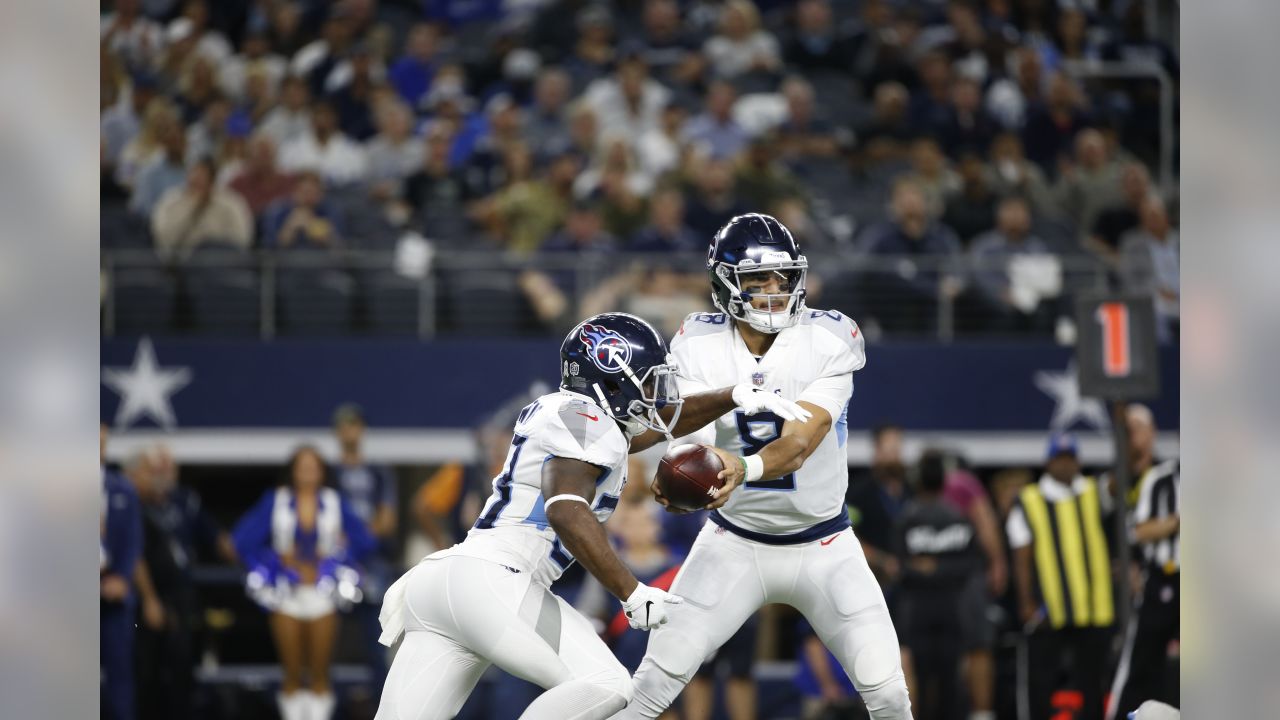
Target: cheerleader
<point>300,544</point>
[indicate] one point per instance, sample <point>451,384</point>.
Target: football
<point>687,474</point>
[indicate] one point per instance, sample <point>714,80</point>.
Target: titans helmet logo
<point>606,348</point>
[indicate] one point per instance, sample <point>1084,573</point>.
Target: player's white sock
<point>576,700</point>
<point>293,706</point>
<point>322,705</point>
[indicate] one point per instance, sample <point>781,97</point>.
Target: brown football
<point>687,474</point>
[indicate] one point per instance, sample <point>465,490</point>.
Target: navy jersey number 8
<point>756,431</point>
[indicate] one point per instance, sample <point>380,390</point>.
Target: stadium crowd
<point>921,151</point>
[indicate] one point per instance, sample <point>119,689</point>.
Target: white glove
<point>646,609</point>
<point>753,400</point>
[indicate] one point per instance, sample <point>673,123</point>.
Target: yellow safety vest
<point>1070,549</point>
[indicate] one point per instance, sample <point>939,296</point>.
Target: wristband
<point>752,467</point>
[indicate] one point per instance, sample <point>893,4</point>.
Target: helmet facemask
<point>782,310</point>
<point>637,407</point>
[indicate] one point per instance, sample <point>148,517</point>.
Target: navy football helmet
<point>621,362</point>
<point>755,245</point>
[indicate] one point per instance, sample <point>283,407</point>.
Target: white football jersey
<point>513,527</point>
<point>812,361</point>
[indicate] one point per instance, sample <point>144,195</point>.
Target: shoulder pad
<point>701,323</point>
<point>836,323</point>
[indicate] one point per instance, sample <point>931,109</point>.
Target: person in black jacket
<point>938,555</point>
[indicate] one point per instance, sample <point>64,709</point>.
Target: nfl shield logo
<point>757,379</point>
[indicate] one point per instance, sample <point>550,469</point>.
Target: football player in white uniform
<point>784,534</point>
<point>486,600</point>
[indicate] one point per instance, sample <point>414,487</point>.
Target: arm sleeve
<point>252,534</point>
<point>360,543</point>
<point>845,351</point>
<point>1017,529</point>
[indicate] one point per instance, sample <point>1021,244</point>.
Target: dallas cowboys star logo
<point>1070,407</point>
<point>145,388</point>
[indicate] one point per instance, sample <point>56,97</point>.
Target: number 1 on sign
<point>1116,357</point>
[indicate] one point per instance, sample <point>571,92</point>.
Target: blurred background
<point>365,226</point>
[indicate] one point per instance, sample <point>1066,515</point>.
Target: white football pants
<point>727,578</point>
<point>463,613</point>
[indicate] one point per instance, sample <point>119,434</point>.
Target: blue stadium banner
<point>203,383</point>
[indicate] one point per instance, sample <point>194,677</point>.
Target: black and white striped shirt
<point>1158,498</point>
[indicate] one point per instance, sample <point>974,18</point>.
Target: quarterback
<point>486,600</point>
<point>783,535</point>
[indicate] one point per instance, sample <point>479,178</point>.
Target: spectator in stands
<point>1115,221</point>
<point>931,101</point>
<point>546,121</point>
<point>1052,125</point>
<point>805,134</point>
<point>584,131</point>
<point>259,181</point>
<point>394,153</point>
<point>326,150</point>
<point>1010,173</point>
<point>1071,36</point>
<point>968,127</point>
<point>714,201</point>
<point>582,239</point>
<point>299,543</point>
<point>110,192</point>
<point>667,231</point>
<point>923,257</point>
<point>972,210</point>
<point>671,53</point>
<point>741,46</point>
<point>817,44</point>
<point>875,498</point>
<point>882,139</point>
<point>161,117</point>
<point>529,209</point>
<point>411,75</point>
<point>762,181</point>
<point>583,235</point>
<point>486,166</point>
<point>715,132</point>
<point>1009,267</point>
<point>165,172</point>
<point>1092,182</point>
<point>372,493</point>
<point>193,26</point>
<point>236,74</point>
<point>593,53</point>
<point>122,122</point>
<point>438,196</point>
<point>662,151</point>
<point>1009,99</point>
<point>1149,265</point>
<point>630,102</point>
<point>306,220</point>
<point>206,136</point>
<point>292,117</point>
<point>356,97</point>
<point>938,554</point>
<point>196,88</point>
<point>131,35</point>
<point>199,212</point>
<point>318,62</point>
<point>621,189</point>
<point>931,172</point>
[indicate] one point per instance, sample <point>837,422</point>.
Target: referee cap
<point>1062,444</point>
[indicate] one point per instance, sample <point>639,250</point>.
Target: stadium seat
<point>315,301</point>
<point>392,303</point>
<point>487,303</point>
<point>123,230</point>
<point>145,301</point>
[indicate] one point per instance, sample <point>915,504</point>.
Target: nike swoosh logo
<point>830,540</point>
<point>592,418</point>
<point>647,604</point>
<point>853,332</point>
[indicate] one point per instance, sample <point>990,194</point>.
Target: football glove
<point>646,609</point>
<point>754,400</point>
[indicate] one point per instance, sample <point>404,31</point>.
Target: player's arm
<point>703,408</point>
<point>570,486</point>
<point>784,455</point>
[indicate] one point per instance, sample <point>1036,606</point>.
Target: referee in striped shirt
<point>1143,672</point>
